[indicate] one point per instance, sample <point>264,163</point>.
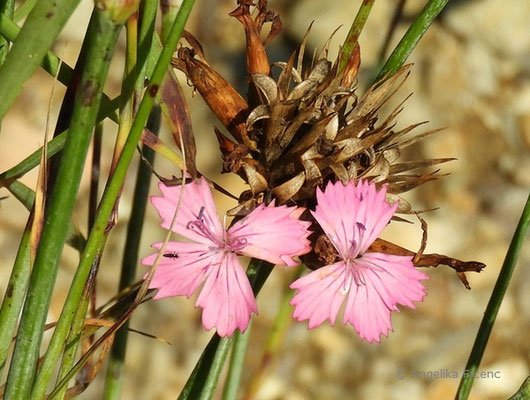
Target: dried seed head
<point>308,126</point>
<point>225,102</point>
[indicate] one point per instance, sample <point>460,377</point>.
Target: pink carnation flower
<point>273,234</point>
<point>372,284</point>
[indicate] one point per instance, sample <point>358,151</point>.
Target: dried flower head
<point>308,126</point>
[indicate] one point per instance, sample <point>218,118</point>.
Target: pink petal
<point>183,274</point>
<point>196,197</point>
<point>387,280</point>
<point>320,295</point>
<point>373,285</point>
<point>226,298</point>
<point>352,216</point>
<point>273,234</point>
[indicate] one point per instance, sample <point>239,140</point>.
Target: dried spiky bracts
<point>306,126</point>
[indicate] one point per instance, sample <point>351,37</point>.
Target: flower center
<point>355,246</point>
<point>204,227</point>
<point>354,275</point>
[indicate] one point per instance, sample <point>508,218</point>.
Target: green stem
<point>524,391</point>
<point>275,339</point>
<point>392,26</point>
<point>97,235</point>
<point>24,194</point>
<point>204,378</point>
<point>27,197</point>
<point>43,25</point>
<point>14,295</point>
<point>76,329</point>
<point>24,9</point>
<point>411,38</point>
<point>44,273</point>
<point>95,172</point>
<point>355,30</point>
<point>114,377</point>
<point>494,303</point>
<point>235,367</point>
<point>7,8</point>
<point>169,10</point>
<point>57,68</point>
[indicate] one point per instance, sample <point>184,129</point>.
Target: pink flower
<point>273,234</point>
<point>372,284</point>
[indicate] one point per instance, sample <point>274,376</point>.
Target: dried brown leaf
<point>175,111</point>
<point>225,102</point>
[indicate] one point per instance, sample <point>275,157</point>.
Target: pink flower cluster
<point>352,216</point>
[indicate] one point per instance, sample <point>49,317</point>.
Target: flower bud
<point>118,10</point>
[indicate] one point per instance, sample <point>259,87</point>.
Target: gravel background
<point>471,74</point>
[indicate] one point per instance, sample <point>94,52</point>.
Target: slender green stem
<point>392,26</point>
<point>43,25</point>
<point>204,378</point>
<point>54,146</point>
<point>235,368</point>
<point>494,303</point>
<point>22,193</point>
<point>411,38</point>
<point>128,85</point>
<point>169,10</point>
<point>50,63</point>
<point>93,197</point>
<point>24,9</point>
<point>116,362</point>
<point>78,323</point>
<point>57,68</point>
<point>146,37</point>
<point>275,339</point>
<point>524,391</point>
<point>27,197</point>
<point>14,295</point>
<point>60,210</point>
<point>97,234</point>
<point>355,30</point>
<point>95,172</point>
<point>7,8</point>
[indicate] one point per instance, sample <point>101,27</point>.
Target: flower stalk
<point>40,30</point>
<point>114,377</point>
<point>355,31</point>
<point>494,304</point>
<point>97,236</point>
<point>411,38</point>
<point>61,205</point>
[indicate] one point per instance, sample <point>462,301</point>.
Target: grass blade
<point>116,362</point>
<point>97,236</point>
<point>15,293</point>
<point>204,378</point>
<point>56,67</point>
<point>411,38</point>
<point>7,7</point>
<point>23,10</point>
<point>276,335</point>
<point>42,280</point>
<point>494,304</point>
<point>237,358</point>
<point>355,30</point>
<point>524,391</point>
<point>43,25</point>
